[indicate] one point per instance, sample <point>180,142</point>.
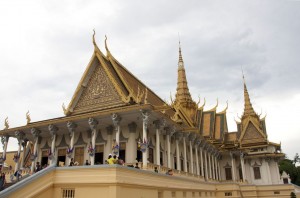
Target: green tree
<point>289,166</point>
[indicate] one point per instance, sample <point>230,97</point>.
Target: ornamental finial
<point>6,124</point>
<point>94,42</point>
<point>28,117</point>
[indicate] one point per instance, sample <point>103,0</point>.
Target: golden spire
<point>248,109</point>
<point>183,95</point>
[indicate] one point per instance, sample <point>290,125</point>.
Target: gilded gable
<point>252,135</point>
<point>99,93</point>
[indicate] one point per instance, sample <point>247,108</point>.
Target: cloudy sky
<point>46,45</point>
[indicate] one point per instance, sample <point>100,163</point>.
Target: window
<point>228,173</point>
<point>228,194</point>
<point>67,193</point>
<point>256,171</point>
<point>276,192</point>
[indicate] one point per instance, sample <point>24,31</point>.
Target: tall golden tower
<point>183,99</point>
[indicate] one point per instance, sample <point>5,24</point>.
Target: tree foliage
<point>289,166</point>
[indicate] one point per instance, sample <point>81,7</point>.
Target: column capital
<point>52,129</point>
<point>4,139</point>
<point>116,119</point>
<point>178,135</point>
<point>20,136</point>
<point>132,127</point>
<point>158,124</point>
<point>192,137</point>
<point>35,133</point>
<point>93,123</point>
<point>71,127</point>
<point>145,117</point>
<point>109,130</point>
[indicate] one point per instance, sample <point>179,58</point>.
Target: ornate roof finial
<point>180,61</point>
<point>248,109</point>
<point>94,42</point>
<point>6,124</point>
<point>107,50</point>
<point>28,117</point>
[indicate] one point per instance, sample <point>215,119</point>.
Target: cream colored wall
<point>123,182</point>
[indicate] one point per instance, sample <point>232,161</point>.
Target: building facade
<point>113,112</point>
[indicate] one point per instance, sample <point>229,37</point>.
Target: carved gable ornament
<point>99,93</point>
<point>252,135</point>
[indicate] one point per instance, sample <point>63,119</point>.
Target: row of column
<point>209,166</point>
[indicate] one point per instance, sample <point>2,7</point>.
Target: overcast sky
<point>46,45</point>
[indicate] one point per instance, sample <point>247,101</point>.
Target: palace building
<point>113,112</point>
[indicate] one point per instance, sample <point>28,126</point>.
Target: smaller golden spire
<point>248,109</point>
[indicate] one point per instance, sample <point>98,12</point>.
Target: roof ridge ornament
<point>28,117</point>
<point>106,48</point>
<point>94,42</point>
<point>6,124</point>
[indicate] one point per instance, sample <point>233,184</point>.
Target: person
<point>18,174</point>
<point>155,169</point>
<point>72,162</point>
<point>121,162</point>
<point>169,172</point>
<point>115,160</point>
<point>136,160</point>
<point>37,167</point>
<point>137,166</point>
<point>110,160</point>
<point>87,162</point>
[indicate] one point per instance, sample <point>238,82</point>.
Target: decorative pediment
<point>99,92</point>
<point>252,134</point>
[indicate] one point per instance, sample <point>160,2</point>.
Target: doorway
<point>99,153</point>
<point>61,157</point>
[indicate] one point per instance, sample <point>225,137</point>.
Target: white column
<point>219,169</point>
<point>109,141</point>
<point>168,147</point>
<point>177,152</point>
<point>197,160</point>
<point>184,154</point>
<point>213,166</point>
<point>24,144</point>
<point>191,157</point>
<point>145,115</point>
<point>53,129</point>
<point>206,168</point>
<point>20,136</point>
<point>71,127</point>
<point>243,166</point>
<point>216,167</point>
<point>202,162</point>
<point>157,143</point>
<point>35,133</point>
<point>4,140</point>
<point>209,165</point>
<point>132,144</point>
<point>233,168</point>
<point>116,121</point>
<point>93,125</point>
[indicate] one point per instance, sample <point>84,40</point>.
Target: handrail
<point>6,192</point>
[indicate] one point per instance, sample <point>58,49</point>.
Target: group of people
<point>114,160</point>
